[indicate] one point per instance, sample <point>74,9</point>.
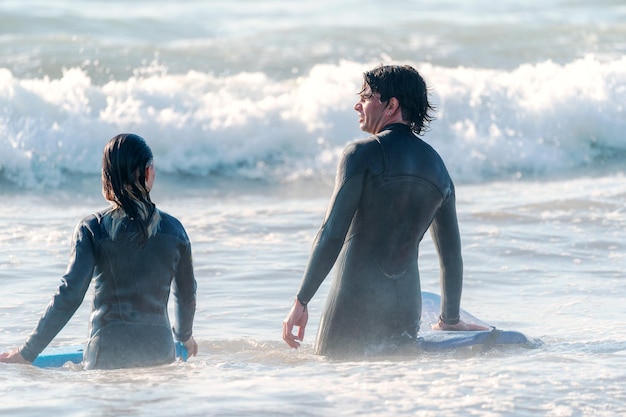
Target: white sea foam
<point>536,119</point>
<point>263,90</point>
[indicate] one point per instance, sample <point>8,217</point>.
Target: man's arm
<point>447,239</point>
<point>329,240</point>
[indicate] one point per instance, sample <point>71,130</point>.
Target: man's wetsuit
<point>129,324</point>
<point>389,189</point>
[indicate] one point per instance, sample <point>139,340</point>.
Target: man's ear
<point>393,104</point>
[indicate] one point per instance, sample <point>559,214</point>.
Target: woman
<point>135,253</point>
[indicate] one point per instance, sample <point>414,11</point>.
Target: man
<point>390,188</point>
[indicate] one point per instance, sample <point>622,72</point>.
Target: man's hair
<point>405,84</point>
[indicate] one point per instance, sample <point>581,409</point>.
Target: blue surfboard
<point>435,340</point>
<point>55,357</point>
<point>428,339</point>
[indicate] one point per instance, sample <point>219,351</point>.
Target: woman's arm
<point>69,296</point>
<point>184,294</point>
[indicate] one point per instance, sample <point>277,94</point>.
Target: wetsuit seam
<point>385,171</point>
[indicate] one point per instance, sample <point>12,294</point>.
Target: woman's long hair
<point>124,162</point>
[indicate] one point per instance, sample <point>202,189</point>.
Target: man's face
<point>371,111</point>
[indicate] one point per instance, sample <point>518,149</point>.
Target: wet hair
<point>405,84</point>
<point>124,162</point>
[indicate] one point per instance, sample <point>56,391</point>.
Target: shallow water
<point>247,106</point>
<point>548,262</point>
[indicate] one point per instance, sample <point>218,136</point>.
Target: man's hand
<point>298,316</point>
<point>461,326</point>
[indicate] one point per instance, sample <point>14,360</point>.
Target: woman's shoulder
<point>172,226</point>
<point>94,219</point>
<point>90,226</point>
<point>168,218</point>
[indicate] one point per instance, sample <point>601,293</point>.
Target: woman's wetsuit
<point>129,324</point>
<point>389,189</point>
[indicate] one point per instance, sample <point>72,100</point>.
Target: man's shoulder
<point>364,145</point>
<point>361,156</point>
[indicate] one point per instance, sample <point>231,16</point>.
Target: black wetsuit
<point>129,324</point>
<point>390,188</point>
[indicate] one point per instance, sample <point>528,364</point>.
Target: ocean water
<point>247,106</point>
